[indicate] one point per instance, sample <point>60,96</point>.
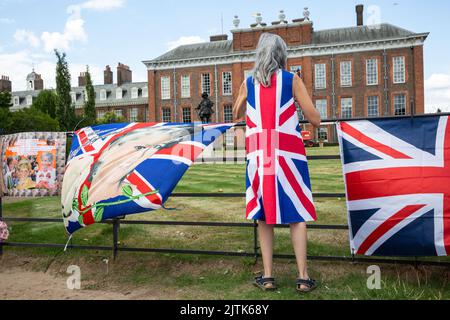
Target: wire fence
<point>115,246</point>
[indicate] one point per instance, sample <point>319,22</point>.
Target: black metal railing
<point>115,247</point>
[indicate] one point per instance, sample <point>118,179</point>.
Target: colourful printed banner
<point>33,164</point>
<point>397,175</point>
<point>120,169</point>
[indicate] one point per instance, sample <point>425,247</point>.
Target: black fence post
<point>255,241</point>
<point>116,226</point>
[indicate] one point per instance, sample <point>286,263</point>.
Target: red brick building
<point>349,72</point>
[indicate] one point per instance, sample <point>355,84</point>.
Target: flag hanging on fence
<point>120,169</point>
<point>397,175</point>
<point>32,163</point>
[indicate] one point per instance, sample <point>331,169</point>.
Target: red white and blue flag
<point>397,175</point>
<point>120,169</point>
<point>278,182</point>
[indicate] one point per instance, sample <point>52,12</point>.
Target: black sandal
<point>263,283</point>
<point>310,285</point>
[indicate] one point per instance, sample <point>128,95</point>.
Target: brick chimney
<point>108,75</point>
<point>124,74</point>
<point>5,84</point>
<point>360,15</point>
<point>82,79</point>
<point>219,37</point>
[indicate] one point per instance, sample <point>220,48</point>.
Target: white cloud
<point>73,31</point>
<point>18,65</point>
<point>24,36</point>
<point>184,41</point>
<point>437,93</point>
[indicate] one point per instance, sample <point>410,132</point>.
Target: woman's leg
<point>266,241</point>
<point>299,241</point>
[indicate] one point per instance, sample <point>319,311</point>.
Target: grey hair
<point>271,55</point>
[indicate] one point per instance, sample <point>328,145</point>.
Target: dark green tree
<point>65,111</point>
<point>89,105</point>
<point>5,100</point>
<point>110,117</point>
<point>47,102</point>
<point>30,120</point>
<point>5,114</point>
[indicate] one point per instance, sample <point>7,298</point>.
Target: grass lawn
<point>211,277</point>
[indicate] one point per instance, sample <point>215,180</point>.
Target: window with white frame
<point>400,104</point>
<point>16,101</point>
<point>29,100</point>
<point>100,114</point>
<point>322,107</point>
<point>372,72</point>
<point>145,92</point>
<point>320,76</point>
<point>346,74</point>
<point>187,115</point>
<point>323,134</point>
<point>373,104</point>
<point>102,95</point>
<point>118,113</point>
<point>165,88</point>
<point>119,93</point>
<point>186,86</point>
<point>73,97</point>
<point>346,107</point>
<point>166,116</point>
<point>206,83</point>
<point>399,70</point>
<point>227,88</point>
<point>134,93</point>
<point>228,113</point>
<point>134,114</point>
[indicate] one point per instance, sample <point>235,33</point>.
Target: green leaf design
<point>127,191</point>
<point>80,220</point>
<point>75,204</point>
<point>84,195</point>
<point>98,215</point>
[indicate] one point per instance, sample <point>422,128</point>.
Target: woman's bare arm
<point>241,103</point>
<point>304,100</point>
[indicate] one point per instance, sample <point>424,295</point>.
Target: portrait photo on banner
<point>32,164</point>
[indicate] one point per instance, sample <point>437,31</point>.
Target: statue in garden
<point>205,109</point>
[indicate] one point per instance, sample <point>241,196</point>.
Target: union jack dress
<point>278,182</point>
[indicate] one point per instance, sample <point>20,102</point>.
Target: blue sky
<point>101,32</point>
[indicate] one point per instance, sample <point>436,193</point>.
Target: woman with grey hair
<point>278,187</point>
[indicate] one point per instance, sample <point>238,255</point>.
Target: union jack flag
<point>397,175</point>
<point>120,169</point>
<point>278,182</point>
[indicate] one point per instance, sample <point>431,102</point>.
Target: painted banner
<point>120,169</point>
<point>33,164</point>
<point>397,176</point>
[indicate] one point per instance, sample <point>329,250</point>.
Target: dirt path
<point>21,284</point>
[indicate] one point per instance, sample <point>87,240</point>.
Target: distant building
<point>360,71</point>
<point>129,100</point>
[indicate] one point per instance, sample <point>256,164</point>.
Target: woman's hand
<point>304,100</point>
<point>240,104</point>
